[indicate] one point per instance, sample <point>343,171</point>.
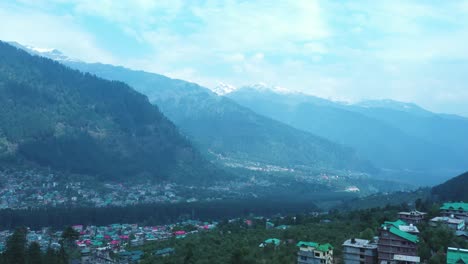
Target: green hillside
<point>66,120</point>
<point>223,128</point>
<point>455,189</point>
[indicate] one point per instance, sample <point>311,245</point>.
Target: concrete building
<point>396,245</point>
<point>457,256</point>
<point>359,251</point>
<point>450,222</point>
<point>314,253</point>
<point>413,217</point>
<point>457,210</point>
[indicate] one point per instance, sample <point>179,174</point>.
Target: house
<point>450,222</point>
<point>271,241</point>
<point>359,251</point>
<point>412,217</point>
<point>457,210</point>
<point>312,253</point>
<point>396,245</point>
<point>457,256</point>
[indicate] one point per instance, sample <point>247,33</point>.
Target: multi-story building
<point>457,256</point>
<point>413,217</point>
<point>450,222</point>
<point>396,245</point>
<point>457,210</point>
<point>359,251</point>
<point>314,253</point>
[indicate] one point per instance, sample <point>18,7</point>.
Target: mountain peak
<point>223,88</point>
<point>51,53</point>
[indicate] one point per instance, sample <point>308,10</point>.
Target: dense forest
<point>219,125</point>
<point>235,242</point>
<point>70,121</point>
<point>152,214</point>
<point>18,251</point>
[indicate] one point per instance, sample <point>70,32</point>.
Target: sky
<point>411,51</point>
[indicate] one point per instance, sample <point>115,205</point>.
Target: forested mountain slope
<point>224,128</point>
<point>67,120</point>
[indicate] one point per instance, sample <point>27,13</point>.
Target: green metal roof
<point>307,244</point>
<point>274,241</point>
<point>402,234</point>
<point>317,246</point>
<point>454,206</point>
<point>455,255</point>
<point>396,223</point>
<point>324,247</point>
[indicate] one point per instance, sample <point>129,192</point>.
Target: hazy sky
<point>344,50</point>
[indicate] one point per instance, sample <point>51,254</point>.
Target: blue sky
<point>414,51</point>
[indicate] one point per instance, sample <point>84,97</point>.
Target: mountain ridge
<point>67,120</point>
<point>204,117</point>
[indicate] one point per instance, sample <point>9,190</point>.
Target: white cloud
<point>37,29</point>
<point>343,50</point>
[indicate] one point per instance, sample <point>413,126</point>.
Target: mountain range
<point>67,120</point>
<point>397,137</point>
<point>227,131</point>
<point>272,127</point>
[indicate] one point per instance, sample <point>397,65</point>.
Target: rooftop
<point>454,255</point>
<point>447,220</point>
<point>455,206</point>
<point>412,213</point>
<point>360,243</point>
<point>404,235</point>
<point>409,228</point>
<point>396,223</point>
<point>315,246</point>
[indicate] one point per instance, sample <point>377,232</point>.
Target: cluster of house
<point>32,189</point>
<point>96,243</point>
<point>397,242</point>
<point>44,237</point>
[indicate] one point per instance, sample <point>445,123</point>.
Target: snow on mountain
<point>52,54</point>
<point>223,88</point>
<point>265,87</point>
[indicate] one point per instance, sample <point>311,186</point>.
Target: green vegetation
<point>396,136</point>
<point>19,252</point>
<point>453,189</point>
<point>220,126</point>
<point>235,242</point>
<point>66,120</point>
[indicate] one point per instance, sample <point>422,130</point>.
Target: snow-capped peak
<point>50,53</point>
<point>223,88</point>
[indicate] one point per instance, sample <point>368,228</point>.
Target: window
<point>317,254</point>
<point>304,258</point>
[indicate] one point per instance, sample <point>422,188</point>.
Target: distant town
<point>23,189</point>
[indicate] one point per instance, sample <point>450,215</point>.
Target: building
<point>452,223</point>
<point>457,256</point>
<point>396,245</point>
<point>270,241</point>
<point>359,251</point>
<point>457,210</point>
<point>314,253</point>
<point>413,217</point>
